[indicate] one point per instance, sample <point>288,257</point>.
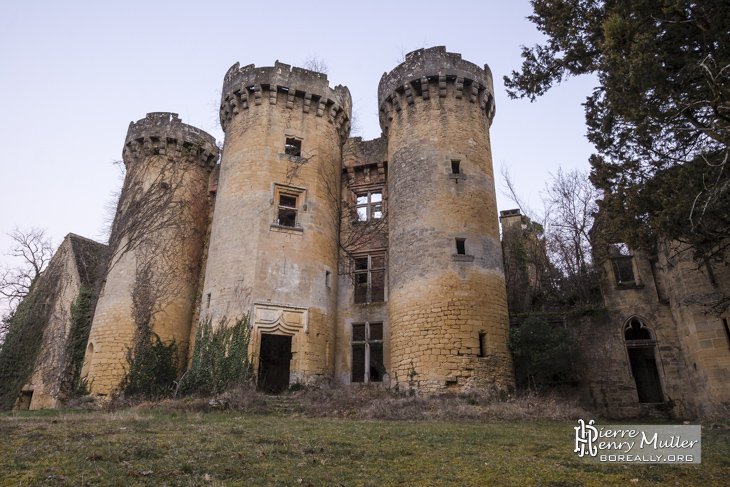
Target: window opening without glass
<point>369,206</point>
<point>370,279</point>
<point>367,352</point>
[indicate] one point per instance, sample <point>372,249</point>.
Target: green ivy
<point>220,358</point>
<point>81,314</point>
<point>22,344</point>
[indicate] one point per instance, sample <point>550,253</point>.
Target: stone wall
<point>673,295</point>
<point>76,263</point>
<point>364,172</point>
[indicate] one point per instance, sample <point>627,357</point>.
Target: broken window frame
<point>368,271</point>
<point>622,261</point>
<point>299,196</point>
<point>293,146</point>
<point>371,207</point>
<point>366,343</point>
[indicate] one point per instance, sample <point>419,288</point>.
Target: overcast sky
<point>74,74</point>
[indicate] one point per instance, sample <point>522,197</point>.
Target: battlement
<point>426,74</point>
<point>297,87</point>
<point>163,133</point>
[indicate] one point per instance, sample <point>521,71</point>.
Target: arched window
<point>641,348</point>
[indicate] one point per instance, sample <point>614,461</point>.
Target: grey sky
<point>74,74</point>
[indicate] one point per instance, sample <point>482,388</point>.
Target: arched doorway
<point>641,346</point>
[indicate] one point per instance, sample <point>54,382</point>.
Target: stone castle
<point>355,261</point>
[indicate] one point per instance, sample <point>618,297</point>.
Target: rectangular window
<point>287,216</point>
<point>461,246</point>
<point>623,264</point>
<point>288,201</point>
<point>293,147</point>
<point>455,167</point>
<point>367,352</point>
<point>482,344</point>
<point>369,206</point>
<point>370,279</point>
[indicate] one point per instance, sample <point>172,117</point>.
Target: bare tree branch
<point>33,250</point>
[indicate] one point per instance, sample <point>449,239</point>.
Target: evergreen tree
<point>660,117</point>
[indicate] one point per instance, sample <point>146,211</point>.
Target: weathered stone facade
<point>77,263</point>
<point>157,243</point>
<point>661,345</point>
<point>356,261</point>
<point>368,261</point>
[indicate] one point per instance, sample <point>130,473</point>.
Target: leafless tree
<point>354,235</point>
<point>570,202</point>
<point>32,249</point>
<point>569,206</point>
<point>315,63</point>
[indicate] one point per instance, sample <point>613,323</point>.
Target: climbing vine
<point>220,358</point>
<point>81,313</point>
<point>26,326</point>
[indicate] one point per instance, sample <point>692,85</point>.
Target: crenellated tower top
<point>304,90</point>
<point>434,73</point>
<point>163,133</point>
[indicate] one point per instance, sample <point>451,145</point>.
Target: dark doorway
<point>646,374</point>
<point>641,346</point>
<point>274,360</point>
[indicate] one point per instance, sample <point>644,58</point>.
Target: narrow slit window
<point>455,169</point>
<point>293,147</point>
<point>461,246</point>
<point>207,304</point>
<point>482,344</point>
<point>727,330</point>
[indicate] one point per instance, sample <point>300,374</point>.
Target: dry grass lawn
<point>162,446</point>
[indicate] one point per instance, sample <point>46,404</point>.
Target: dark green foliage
<point>81,314</point>
<point>151,369</point>
<point>543,353</point>
<point>220,358</point>
<point>662,103</point>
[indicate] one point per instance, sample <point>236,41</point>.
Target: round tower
<point>447,295</point>
<point>274,239</point>
<point>155,245</point>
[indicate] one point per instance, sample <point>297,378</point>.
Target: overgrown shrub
<point>543,353</point>
<point>151,369</point>
<point>220,358</point>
